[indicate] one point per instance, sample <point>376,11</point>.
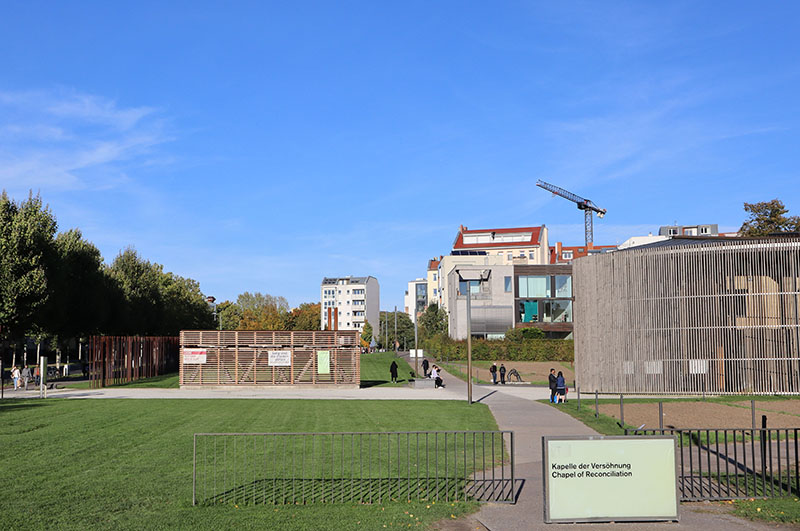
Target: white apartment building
<point>346,303</point>
<point>416,298</point>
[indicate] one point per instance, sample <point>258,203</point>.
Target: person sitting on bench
<point>438,382</point>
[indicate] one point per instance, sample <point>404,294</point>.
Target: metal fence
<point>721,464</point>
<point>119,359</point>
<point>368,467</point>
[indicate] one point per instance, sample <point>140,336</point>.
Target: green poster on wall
<point>323,362</point>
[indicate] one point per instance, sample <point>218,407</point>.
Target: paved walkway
<point>516,409</point>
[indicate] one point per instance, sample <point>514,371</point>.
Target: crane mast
<point>586,205</point>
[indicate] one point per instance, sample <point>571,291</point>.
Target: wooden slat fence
<point>242,357</point>
<point>114,360</point>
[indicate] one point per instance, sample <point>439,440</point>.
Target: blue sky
<point>261,146</point>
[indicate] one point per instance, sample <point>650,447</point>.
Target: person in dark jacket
<point>493,370</point>
<point>561,388</point>
<point>425,368</point>
<point>502,374</point>
<point>393,371</point>
<point>553,379</point>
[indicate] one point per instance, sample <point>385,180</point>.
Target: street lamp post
<point>469,277</point>
<point>212,302</point>
<point>416,346</point>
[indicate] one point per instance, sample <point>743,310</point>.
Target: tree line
<point>55,288</point>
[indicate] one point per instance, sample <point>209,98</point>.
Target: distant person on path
<point>26,375</point>
<point>36,375</point>
<point>493,370</point>
<point>425,368</point>
<point>561,388</point>
<point>393,371</point>
<point>502,374</point>
<point>15,377</point>
<point>553,379</point>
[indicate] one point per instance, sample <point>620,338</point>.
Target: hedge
<point>444,348</point>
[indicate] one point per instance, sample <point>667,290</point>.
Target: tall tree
<point>263,311</point>
<point>366,333</point>
<point>78,300</point>
<point>433,321</point>
<point>768,217</point>
<point>139,281</point>
<point>304,317</point>
<point>229,315</point>
<point>26,235</point>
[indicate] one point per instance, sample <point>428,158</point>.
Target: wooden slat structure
<point>119,359</point>
<point>258,358</point>
<point>690,316</point>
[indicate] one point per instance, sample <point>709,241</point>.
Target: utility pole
<point>416,346</point>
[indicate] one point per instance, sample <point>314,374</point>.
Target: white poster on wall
<point>194,356</point>
<point>280,358</point>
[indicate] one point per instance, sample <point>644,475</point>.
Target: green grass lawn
<point>375,370</point>
<point>784,510</point>
<point>127,464</point>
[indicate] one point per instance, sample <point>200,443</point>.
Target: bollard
<point>596,405</point>
<point>578,390</point>
<point>753,412</point>
<point>763,438</point>
<point>661,417</point>
<point>621,411</point>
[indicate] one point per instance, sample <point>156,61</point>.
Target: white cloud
<point>66,140</point>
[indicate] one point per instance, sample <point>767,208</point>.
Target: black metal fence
<point>720,464</point>
<point>369,467</point>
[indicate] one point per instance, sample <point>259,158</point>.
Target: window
<point>434,277</point>
<point>474,287</point>
<point>704,230</point>
<point>340,292</point>
<point>673,232</point>
<point>507,284</point>
<point>522,254</point>
<point>531,255</point>
<point>566,255</point>
<point>348,292</point>
<point>560,311</point>
<point>563,286</point>
<point>529,311</point>
<point>435,291</point>
<point>510,255</point>
<point>534,286</point>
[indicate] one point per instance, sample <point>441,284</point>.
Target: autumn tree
<point>768,217</point>
<point>304,317</point>
<point>263,311</point>
<point>366,333</point>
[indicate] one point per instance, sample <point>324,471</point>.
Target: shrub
<point>444,348</point>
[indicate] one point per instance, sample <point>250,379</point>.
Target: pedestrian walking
<point>502,374</point>
<point>15,377</point>
<point>36,375</point>
<point>553,380</point>
<point>425,366</point>
<point>393,371</point>
<point>561,388</point>
<point>26,375</point>
<point>493,370</point>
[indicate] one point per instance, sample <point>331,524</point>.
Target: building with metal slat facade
<point>690,316</point>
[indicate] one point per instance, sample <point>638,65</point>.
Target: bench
<point>423,383</point>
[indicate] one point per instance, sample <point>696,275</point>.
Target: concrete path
<point>515,408</point>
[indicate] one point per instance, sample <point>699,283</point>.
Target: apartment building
<point>433,281</point>
<point>562,254</point>
<point>346,303</point>
<point>689,230</point>
<point>416,298</point>
<point>491,247</point>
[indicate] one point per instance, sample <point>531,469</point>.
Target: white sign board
<point>416,353</point>
<point>604,479</point>
<point>280,358</point>
<point>194,356</point>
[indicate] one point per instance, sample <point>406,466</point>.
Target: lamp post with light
<point>212,302</point>
<point>470,276</point>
